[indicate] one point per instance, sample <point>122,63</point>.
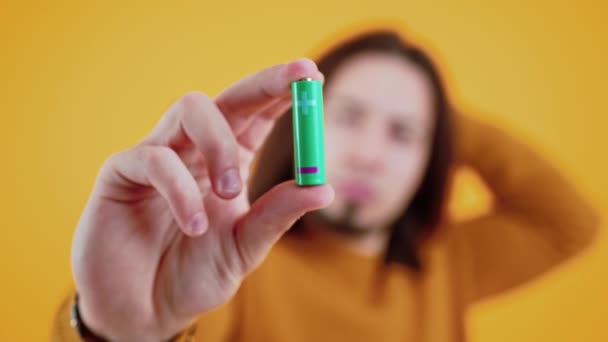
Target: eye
<point>401,133</point>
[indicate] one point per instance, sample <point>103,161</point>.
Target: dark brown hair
<point>424,213</point>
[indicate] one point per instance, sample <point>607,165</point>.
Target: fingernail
<point>198,224</point>
<point>230,182</point>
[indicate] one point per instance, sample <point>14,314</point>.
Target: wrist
<point>90,333</point>
<point>78,323</point>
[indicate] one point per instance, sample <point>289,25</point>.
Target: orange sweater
<point>309,290</point>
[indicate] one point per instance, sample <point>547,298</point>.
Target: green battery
<point>308,140</point>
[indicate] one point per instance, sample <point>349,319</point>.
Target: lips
<point>357,191</point>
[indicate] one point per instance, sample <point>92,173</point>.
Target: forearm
<point>525,185</point>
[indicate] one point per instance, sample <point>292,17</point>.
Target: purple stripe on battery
<point>310,169</point>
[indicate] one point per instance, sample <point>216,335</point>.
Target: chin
<point>357,224</point>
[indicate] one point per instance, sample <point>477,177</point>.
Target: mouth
<point>358,192</point>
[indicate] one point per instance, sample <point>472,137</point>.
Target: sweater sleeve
<point>538,219</point>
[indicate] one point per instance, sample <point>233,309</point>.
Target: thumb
<point>272,215</point>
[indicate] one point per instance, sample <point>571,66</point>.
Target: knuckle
<point>111,163</point>
<point>113,159</point>
<point>216,147</point>
<point>157,156</point>
<point>117,160</point>
<point>222,149</point>
<point>179,194</point>
<point>194,100</point>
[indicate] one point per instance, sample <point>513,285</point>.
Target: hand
<point>168,233</point>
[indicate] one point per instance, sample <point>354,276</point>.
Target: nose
<point>367,157</point>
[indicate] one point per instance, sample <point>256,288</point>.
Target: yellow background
<point>79,81</point>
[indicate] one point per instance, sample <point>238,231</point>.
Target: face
<point>378,131</point>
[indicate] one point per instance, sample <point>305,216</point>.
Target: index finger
<point>246,97</point>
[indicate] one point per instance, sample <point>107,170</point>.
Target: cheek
<point>331,158</point>
<point>404,174</point>
<point>331,147</point>
<point>401,179</point>
<point>334,150</point>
